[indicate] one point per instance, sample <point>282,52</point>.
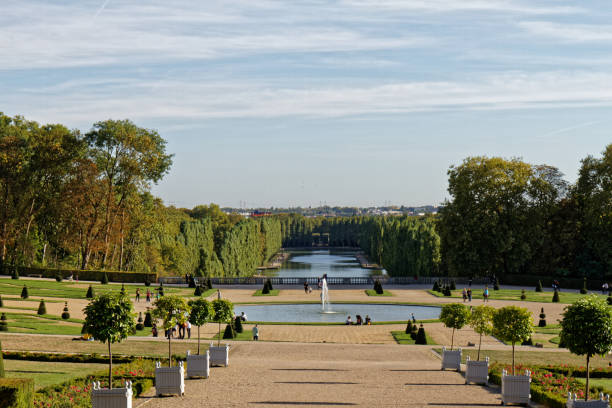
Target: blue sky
<point>348,102</point>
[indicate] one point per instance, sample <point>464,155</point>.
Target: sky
<point>300,103</point>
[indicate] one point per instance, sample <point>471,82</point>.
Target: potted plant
<point>223,313</point>
<point>172,310</point>
<point>109,318</point>
<point>586,329</point>
<point>514,325</point>
<point>201,311</point>
<point>454,316</point>
<point>481,320</point>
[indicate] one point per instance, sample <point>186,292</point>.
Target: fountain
<point>325,296</point>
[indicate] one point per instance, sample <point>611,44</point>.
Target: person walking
<point>137,294</point>
<point>188,329</point>
<point>148,296</point>
<point>485,294</point>
<point>469,294</point>
<point>464,295</point>
<point>255,333</point>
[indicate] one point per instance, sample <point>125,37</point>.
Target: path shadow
<point>436,384</point>
<point>420,371</point>
<point>317,382</point>
<point>457,404</point>
<point>306,369</point>
<point>302,403</point>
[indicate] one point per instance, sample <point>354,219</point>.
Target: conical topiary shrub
<point>555,298</point>
<point>436,287</point>
<point>409,327</point>
<point>539,286</point>
<point>160,290</point>
<point>15,274</point>
<point>192,282</point>
<point>58,277</point>
<point>1,302</point>
<point>198,291</point>
<point>229,332</point>
<point>238,324</point>
<point>453,286</point>
<point>42,309</point>
<point>147,281</point>
<point>496,285</point>
<point>209,283</point>
<point>1,362</point>
<point>24,292</point>
<point>265,290</point>
<point>523,295</point>
<point>139,325</point>
<point>90,292</point>
<point>3,322</point>
<point>421,337</point>
<point>148,321</point>
<point>447,291</point>
<point>584,289</point>
<point>104,279</point>
<point>123,288</point>
<point>542,322</point>
<point>270,285</point>
<point>65,313</point>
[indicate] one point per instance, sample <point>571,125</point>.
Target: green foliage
<point>229,332</point>
<point>201,312</point>
<point>378,287</point>
<point>452,285</point>
<point>109,318</point>
<point>90,292</point>
<point>583,289</point>
<point>58,277</point>
<point>496,284</point>
<point>65,313</point>
<point>609,299</point>
<point>421,337</point>
<point>3,323</point>
<point>139,325</point>
<point>223,310</point>
<point>446,291</point>
<point>1,302</point>
<point>436,286</point>
<point>148,320</point>
<point>409,327</point>
<point>542,322</point>
<point>265,290</point>
<point>539,286</point>
<point>481,319</point>
<point>198,291</point>
<point>555,297</point>
<point>512,324</point>
<point>24,292</point>
<point>15,274</point>
<point>16,392</point>
<point>42,309</point>
<point>104,279</point>
<point>123,292</point>
<point>454,316</point>
<point>172,310</point>
<point>523,295</point>
<point>1,362</point>
<point>238,324</point>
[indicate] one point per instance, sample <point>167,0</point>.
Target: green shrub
<point>198,291</point>
<point>58,277</point>
<point>1,302</point>
<point>42,309</point>
<point>555,298</point>
<point>65,314</point>
<point>528,342</point>
<point>539,286</point>
<point>523,295</point>
<point>583,289</point>
<point>542,322</point>
<point>409,327</point>
<point>421,337</point>
<point>609,299</point>
<point>123,289</point>
<point>91,275</point>
<point>148,321</point>
<point>3,323</point>
<point>16,392</point>
<point>453,286</point>
<point>496,285</point>
<point>147,281</point>
<point>1,362</point>
<point>104,279</point>
<point>238,324</point>
<point>160,290</point>
<point>269,283</point>
<point>139,325</point>
<point>209,283</point>
<point>15,274</point>
<point>90,293</point>
<point>24,292</point>
<point>265,290</point>
<point>378,287</point>
<point>192,282</point>
<point>447,291</point>
<point>229,332</point>
<point>436,287</point>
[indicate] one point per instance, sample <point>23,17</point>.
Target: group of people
<point>359,321</point>
<point>149,294</point>
<point>179,331</point>
<point>467,294</point>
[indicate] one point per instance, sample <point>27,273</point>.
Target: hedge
<point>564,283</point>
<point>1,362</point>
<point>86,275</point>
<point>16,392</point>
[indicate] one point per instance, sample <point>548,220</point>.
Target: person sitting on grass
<point>368,321</point>
<point>359,321</point>
<point>349,321</point>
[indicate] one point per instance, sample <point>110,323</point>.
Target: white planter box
<point>219,355</point>
<point>516,389</point>
<point>169,380</point>
<point>115,398</point>
<point>198,365</point>
<point>602,402</point>
<point>477,371</point>
<point>451,359</point>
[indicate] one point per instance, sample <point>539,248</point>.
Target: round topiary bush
<point>3,323</point>
<point>539,286</point>
<point>238,324</point>
<point>139,325</point>
<point>104,279</point>
<point>65,313</point>
<point>58,277</point>
<point>90,292</point>
<point>542,322</point>
<point>421,337</point>
<point>555,298</point>
<point>523,295</point>
<point>528,342</point>
<point>148,321</point>
<point>229,332</point>
<point>42,309</point>
<point>24,292</point>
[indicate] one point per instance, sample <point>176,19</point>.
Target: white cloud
<point>576,33</point>
<point>447,6</point>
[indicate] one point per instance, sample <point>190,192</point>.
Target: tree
<point>90,292</point>
<point>109,318</point>
<point>24,292</point>
<point>224,311</point>
<point>201,312</point>
<point>512,324</point>
<point>481,320</point>
<point>421,337</point>
<point>42,309</point>
<point>586,329</point>
<point>172,310</point>
<point>455,316</point>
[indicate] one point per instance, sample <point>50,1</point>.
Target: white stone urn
<point>219,355</point>
<point>451,359</point>
<point>169,380</point>
<point>115,398</point>
<point>516,389</point>
<point>602,402</point>
<point>198,365</point>
<point>477,371</point>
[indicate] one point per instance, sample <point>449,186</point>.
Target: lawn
<point>605,384</point>
<point>273,292</point>
<point>42,324</point>
<point>402,338</point>
<point>515,294</point>
<point>372,292</point>
<point>46,373</point>
<point>246,335</point>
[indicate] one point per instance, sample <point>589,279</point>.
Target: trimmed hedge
<point>113,276</point>
<point>1,362</point>
<point>16,392</point>
<point>564,283</point>
<point>70,358</point>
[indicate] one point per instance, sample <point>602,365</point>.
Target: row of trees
<point>512,217</point>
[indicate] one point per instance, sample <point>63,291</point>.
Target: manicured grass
<point>372,292</point>
<point>402,338</point>
<point>273,292</point>
<point>246,335</point>
<point>45,373</point>
<point>533,357</point>
<point>604,383</point>
<point>45,324</point>
<point>515,294</point>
